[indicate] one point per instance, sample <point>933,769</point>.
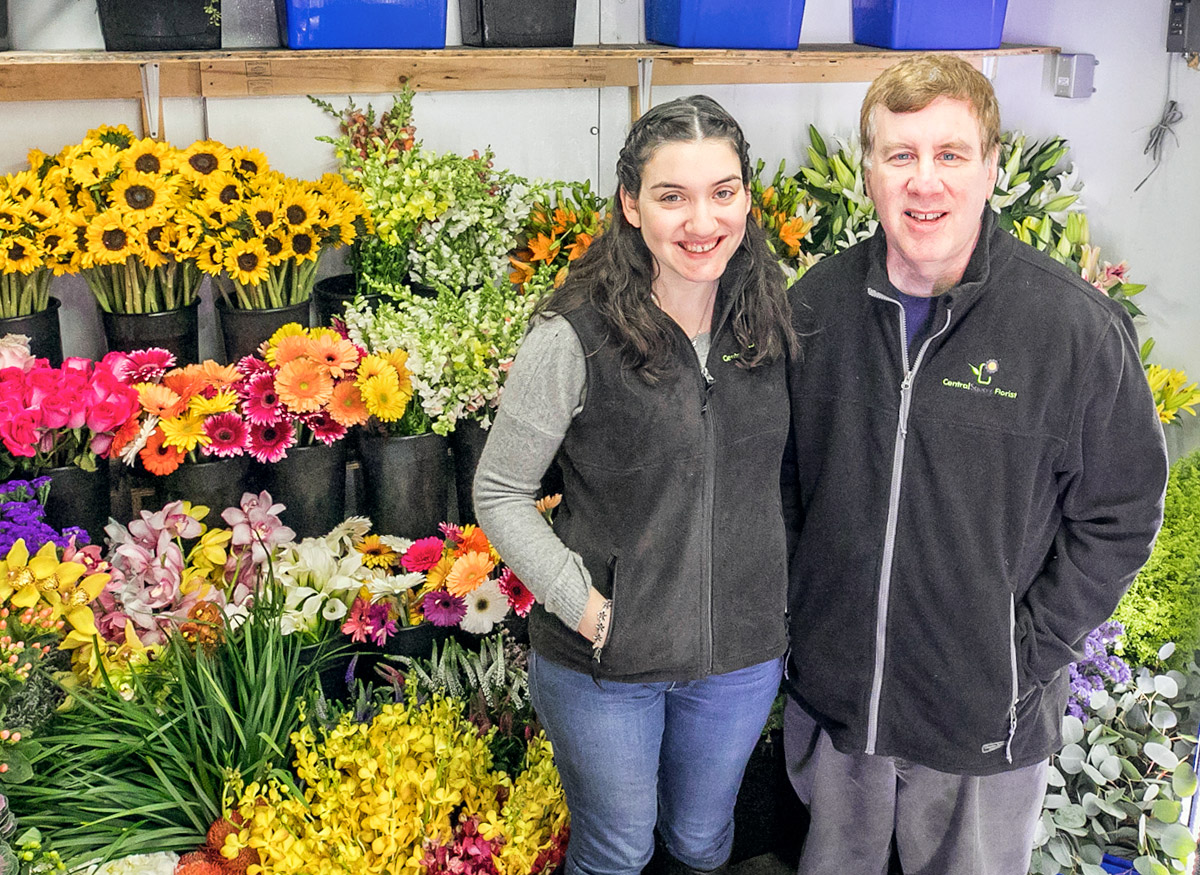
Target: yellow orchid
<point>24,580</point>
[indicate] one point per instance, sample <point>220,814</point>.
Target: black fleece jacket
<point>963,516</point>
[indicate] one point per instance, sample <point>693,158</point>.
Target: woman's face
<point>692,213</point>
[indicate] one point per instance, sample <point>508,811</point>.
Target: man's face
<point>929,179</point>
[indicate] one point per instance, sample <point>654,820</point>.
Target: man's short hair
<point>913,84</point>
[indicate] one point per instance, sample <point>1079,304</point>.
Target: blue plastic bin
<point>929,24</point>
<point>362,24</point>
<point>725,24</point>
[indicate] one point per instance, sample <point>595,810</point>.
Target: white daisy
<point>486,606</point>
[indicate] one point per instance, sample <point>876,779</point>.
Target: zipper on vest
<point>889,538</point>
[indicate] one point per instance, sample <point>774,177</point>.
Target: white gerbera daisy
<point>486,606</point>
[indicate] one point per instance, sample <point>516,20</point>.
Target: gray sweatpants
<point>943,824</point>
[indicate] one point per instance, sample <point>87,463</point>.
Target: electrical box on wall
<point>1073,75</point>
<point>1183,26</point>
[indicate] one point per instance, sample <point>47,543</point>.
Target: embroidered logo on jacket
<point>982,384</point>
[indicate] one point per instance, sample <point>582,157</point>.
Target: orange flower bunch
<point>786,214</point>
<point>559,229</point>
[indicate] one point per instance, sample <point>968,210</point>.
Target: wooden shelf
<point>94,75</point>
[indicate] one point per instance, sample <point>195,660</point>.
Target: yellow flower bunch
<point>33,230</point>
<point>385,384</point>
<point>265,230</point>
<point>123,199</point>
<point>1172,393</point>
<point>375,793</point>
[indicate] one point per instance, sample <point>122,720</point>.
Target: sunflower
<point>303,243</point>
<point>264,213</point>
<point>300,206</point>
<point>223,188</point>
<point>204,157</point>
<point>246,262</point>
<point>142,193</point>
<point>19,255</point>
<point>112,237</point>
<point>96,165</point>
<point>248,162</point>
<point>149,156</point>
<point>303,385</point>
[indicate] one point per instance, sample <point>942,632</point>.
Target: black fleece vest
<point>671,496</point>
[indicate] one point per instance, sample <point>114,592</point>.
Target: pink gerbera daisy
<point>270,443</point>
<point>252,365</point>
<point>517,593</point>
<point>452,532</point>
<point>141,365</point>
<point>423,554</point>
<point>324,428</point>
<point>443,609</point>
<point>229,435</point>
<point>263,406</point>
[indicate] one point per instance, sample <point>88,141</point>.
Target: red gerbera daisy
<point>423,554</point>
<point>229,435</point>
<point>270,443</point>
<point>324,428</point>
<point>263,406</point>
<point>517,593</point>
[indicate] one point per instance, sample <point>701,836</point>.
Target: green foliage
<point>1119,782</point>
<point>116,776</point>
<point>494,686</point>
<point>1164,602</point>
<point>834,181</point>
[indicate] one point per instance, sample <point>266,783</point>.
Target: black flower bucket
<point>160,25</point>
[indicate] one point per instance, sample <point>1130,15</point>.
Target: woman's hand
<point>591,617</point>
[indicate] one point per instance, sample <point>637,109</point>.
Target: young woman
<point>654,378</point>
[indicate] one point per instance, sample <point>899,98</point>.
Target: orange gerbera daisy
<point>185,381</point>
<point>468,572</point>
<point>216,374</point>
<point>303,385</point>
<point>161,401</point>
<point>336,353</point>
<point>158,457</point>
<point>292,347</point>
<point>347,406</point>
<point>473,541</point>
<point>124,435</point>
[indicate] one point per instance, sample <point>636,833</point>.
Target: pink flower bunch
<point>467,852</point>
<point>62,416</point>
<point>165,563</point>
<point>368,621</point>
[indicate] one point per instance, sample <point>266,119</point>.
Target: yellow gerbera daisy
<point>381,393</point>
<point>222,402</point>
<point>185,433</point>
<point>374,365</point>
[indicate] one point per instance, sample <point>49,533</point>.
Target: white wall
<point>576,133</point>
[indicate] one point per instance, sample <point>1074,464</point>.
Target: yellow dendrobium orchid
<point>25,579</point>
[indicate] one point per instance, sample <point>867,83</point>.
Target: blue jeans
<point>633,755</point>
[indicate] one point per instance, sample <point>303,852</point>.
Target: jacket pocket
<point>607,647</point>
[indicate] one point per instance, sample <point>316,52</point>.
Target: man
<point>979,472</point>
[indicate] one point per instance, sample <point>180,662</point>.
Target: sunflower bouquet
<point>264,231</point>
<point>32,234</point>
<point>125,202</point>
<point>562,223</point>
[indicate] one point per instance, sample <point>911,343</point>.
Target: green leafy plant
<point>787,214</point>
<point>834,181</point>
<point>1164,602</point>
<point>494,686</point>
<point>1118,784</point>
<point>117,775</point>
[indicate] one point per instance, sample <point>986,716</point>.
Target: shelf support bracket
<point>987,66</point>
<point>152,115</point>
<point>645,77</point>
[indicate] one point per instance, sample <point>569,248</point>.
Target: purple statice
<point>23,517</point>
<point>1097,669</point>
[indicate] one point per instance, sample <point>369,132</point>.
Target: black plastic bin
<point>158,25</point>
<point>517,23</point>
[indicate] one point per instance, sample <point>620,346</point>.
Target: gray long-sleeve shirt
<point>545,389</point>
